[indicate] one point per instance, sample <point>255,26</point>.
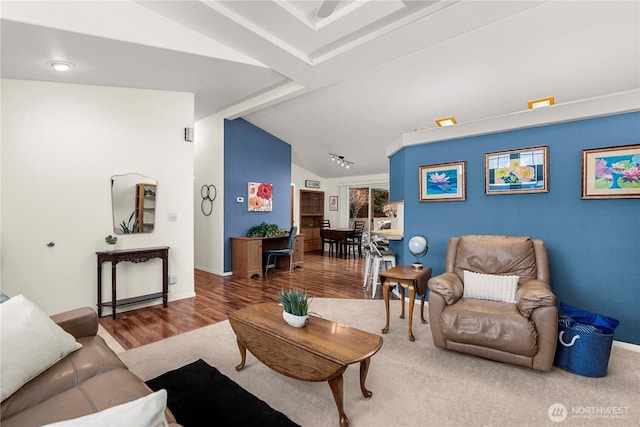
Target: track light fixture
<point>340,160</point>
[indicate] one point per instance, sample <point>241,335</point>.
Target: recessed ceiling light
<point>61,65</point>
<point>542,102</point>
<point>447,121</point>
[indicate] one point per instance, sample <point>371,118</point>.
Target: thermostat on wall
<point>240,199</point>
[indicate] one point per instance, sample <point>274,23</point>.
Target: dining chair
<point>272,255</point>
<point>354,240</point>
<point>325,240</point>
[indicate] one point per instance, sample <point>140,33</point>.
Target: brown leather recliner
<point>522,333</point>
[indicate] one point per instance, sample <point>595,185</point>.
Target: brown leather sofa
<point>523,333</point>
<point>87,381</point>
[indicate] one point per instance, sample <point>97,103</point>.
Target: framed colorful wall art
<point>517,171</point>
<point>444,182</point>
<point>260,197</point>
<point>611,173</point>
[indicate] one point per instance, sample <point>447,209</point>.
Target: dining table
<point>338,235</point>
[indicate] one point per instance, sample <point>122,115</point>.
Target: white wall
<point>60,145</point>
<point>209,170</point>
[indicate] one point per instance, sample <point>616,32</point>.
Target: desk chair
<point>272,254</point>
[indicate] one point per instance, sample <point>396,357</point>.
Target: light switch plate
<point>239,199</point>
<point>172,216</point>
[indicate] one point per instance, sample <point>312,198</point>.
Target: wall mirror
<point>133,197</point>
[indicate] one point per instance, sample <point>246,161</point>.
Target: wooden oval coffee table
<point>320,351</point>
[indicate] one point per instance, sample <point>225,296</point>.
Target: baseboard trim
<point>217,273</point>
<point>183,295</point>
<point>627,346</point>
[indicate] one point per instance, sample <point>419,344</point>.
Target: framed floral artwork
<point>517,171</point>
<point>611,173</point>
<point>444,182</point>
<point>260,197</point>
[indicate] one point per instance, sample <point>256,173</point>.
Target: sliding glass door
<point>379,208</point>
<point>368,204</point>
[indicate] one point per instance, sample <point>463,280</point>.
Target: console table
<point>135,256</point>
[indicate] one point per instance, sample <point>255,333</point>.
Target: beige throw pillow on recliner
<point>490,287</point>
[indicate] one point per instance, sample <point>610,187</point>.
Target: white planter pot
<point>293,320</point>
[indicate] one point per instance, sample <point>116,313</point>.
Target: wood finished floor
<point>217,297</point>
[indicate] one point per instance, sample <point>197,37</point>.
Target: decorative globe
<point>418,246</point>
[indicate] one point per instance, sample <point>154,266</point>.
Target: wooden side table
<point>408,278</point>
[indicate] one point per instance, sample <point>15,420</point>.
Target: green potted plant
<point>265,230</point>
<point>111,242</point>
<point>296,306</point>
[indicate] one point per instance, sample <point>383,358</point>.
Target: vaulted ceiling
<point>348,83</point>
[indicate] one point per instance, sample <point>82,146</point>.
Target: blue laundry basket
<point>584,348</point>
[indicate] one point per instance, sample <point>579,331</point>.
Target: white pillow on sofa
<point>31,343</point>
<point>147,411</point>
<point>490,286</point>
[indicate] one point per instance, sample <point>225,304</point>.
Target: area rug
<point>413,383</point>
<point>199,395</point>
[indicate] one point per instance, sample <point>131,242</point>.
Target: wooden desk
<point>338,234</point>
<point>135,256</point>
<point>319,351</point>
<point>408,278</point>
<point>246,253</point>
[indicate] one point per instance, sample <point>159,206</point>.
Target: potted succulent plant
<point>111,242</point>
<point>296,306</point>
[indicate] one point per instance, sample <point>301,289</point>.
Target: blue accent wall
<point>253,155</point>
<point>593,245</point>
<point>396,185</point>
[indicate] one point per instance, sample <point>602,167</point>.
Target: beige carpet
<point>413,383</point>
